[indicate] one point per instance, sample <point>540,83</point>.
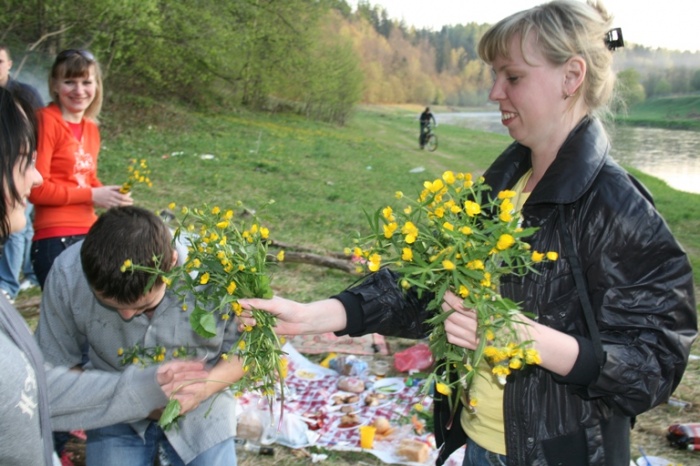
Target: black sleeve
<point>378,304</point>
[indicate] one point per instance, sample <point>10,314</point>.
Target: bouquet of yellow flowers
<point>458,236</point>
<point>138,172</point>
<point>226,261</point>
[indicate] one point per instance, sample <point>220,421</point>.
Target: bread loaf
<point>414,450</point>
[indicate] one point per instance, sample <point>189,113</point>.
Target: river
<point>671,155</point>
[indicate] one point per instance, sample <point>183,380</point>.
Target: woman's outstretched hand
<point>295,318</point>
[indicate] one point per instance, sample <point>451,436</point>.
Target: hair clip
<point>613,39</point>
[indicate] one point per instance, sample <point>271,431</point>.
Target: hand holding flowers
<point>226,260</point>
<point>457,237</point>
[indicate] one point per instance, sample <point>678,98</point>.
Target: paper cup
<point>367,436</point>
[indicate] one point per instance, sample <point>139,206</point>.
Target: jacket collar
<point>572,172</point>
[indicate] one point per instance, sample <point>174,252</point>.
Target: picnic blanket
<point>327,342</point>
<point>309,388</point>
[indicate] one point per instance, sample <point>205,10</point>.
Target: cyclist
<point>425,119</point>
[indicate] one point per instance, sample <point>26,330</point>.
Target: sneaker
<point>27,285</point>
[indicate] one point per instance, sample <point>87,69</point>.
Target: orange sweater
<point>69,168</point>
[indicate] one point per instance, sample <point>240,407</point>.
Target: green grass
<point>322,178</point>
<point>677,112</point>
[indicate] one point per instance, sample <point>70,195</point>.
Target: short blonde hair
<point>74,63</point>
<point>561,29</point>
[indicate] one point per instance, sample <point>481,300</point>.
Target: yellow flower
<point>410,231</point>
<point>375,261</point>
<point>407,254</point>
<point>222,225</point>
<point>126,265</point>
<point>215,210</point>
<point>280,256</point>
<point>398,194</point>
<point>224,357</point>
<point>120,352</point>
<point>231,287</point>
<point>448,226</point>
<point>448,265</point>
<point>388,214</point>
<point>489,335</point>
<point>505,241</point>
<point>405,284</point>
<point>389,229</point>
<point>505,216</point>
<point>473,402</point>
<point>506,194</point>
<point>172,206</point>
<point>241,345</point>
<point>476,264</point>
<point>515,363</point>
<point>264,232</point>
<point>537,256</point>
<point>204,279</point>
<point>418,407</point>
<point>472,208</point>
<point>448,177</point>
<point>166,280</point>
<point>443,389</point>
<point>237,308</point>
<point>228,215</point>
<point>465,230</point>
<point>463,291</point>
<point>435,186</point>
<point>532,356</point>
<point>552,255</point>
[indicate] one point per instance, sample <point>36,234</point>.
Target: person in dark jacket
<point>425,118</point>
<point>614,318</point>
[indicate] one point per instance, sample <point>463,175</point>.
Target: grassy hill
<point>680,112</point>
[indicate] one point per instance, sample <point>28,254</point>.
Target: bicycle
<point>430,139</point>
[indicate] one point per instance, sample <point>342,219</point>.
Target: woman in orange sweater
<point>69,141</point>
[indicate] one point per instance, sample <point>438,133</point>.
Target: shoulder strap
<point>581,286</point>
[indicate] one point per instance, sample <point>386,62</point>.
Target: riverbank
<point>323,178</point>
<point>676,112</point>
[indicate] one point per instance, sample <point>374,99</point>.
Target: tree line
<point>314,57</point>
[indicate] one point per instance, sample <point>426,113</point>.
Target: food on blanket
<point>375,399</point>
<point>383,427</point>
<point>306,374</point>
<point>348,409</point>
<point>414,450</point>
<point>314,419</point>
<point>349,420</point>
<point>418,425</point>
<point>344,399</point>
<point>351,384</point>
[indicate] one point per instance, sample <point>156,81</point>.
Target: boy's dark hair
<point>119,234</point>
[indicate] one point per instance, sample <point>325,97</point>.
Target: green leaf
<point>203,323</point>
<point>170,414</point>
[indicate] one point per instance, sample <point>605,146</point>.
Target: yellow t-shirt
<point>486,425</point>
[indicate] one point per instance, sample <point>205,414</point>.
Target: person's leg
<point>119,445</point>
<point>27,234</point>
<point>476,455</point>
<point>222,454</point>
<point>45,251</point>
<point>11,264</point>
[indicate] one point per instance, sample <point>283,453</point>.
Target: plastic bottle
<point>247,445</point>
<point>684,436</point>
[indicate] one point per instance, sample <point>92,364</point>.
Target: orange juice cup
<point>367,436</point>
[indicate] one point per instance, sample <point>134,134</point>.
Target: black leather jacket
<point>640,286</point>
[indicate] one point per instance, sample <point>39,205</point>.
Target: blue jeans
<point>14,260</point>
<point>45,251</point>
<point>478,456</point>
<point>120,445</point>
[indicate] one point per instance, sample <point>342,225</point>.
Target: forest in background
<point>314,57</point>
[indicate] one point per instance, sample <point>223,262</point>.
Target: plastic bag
<point>415,358</point>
